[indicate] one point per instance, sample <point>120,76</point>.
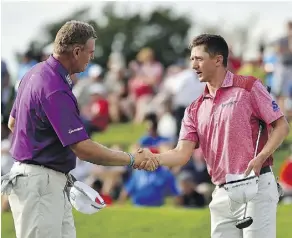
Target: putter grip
<point>269,89</point>
<point>262,123</point>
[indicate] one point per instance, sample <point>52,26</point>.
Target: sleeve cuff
<point>75,140</point>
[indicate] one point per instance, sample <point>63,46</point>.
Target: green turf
<point>122,134</point>
<point>127,221</point>
<point>163,222</point>
<point>289,137</point>
<point>279,157</point>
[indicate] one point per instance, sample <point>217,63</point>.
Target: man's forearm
<point>276,138</point>
<point>173,158</point>
<point>178,156</point>
<point>98,154</point>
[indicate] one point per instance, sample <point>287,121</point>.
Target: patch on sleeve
<point>275,106</point>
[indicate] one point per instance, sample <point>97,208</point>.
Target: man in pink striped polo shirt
<point>224,122</point>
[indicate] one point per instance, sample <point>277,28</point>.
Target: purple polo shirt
<point>47,118</point>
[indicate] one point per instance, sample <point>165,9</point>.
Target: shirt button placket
<point>213,109</point>
<point>214,105</point>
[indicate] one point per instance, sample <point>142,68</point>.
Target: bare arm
<point>95,153</point>
<point>11,123</point>
<point>280,131</point>
<point>266,109</point>
<point>178,156</point>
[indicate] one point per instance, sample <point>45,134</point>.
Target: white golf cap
<point>243,190</point>
<point>95,70</point>
<point>85,199</point>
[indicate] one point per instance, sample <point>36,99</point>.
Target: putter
<point>247,221</point>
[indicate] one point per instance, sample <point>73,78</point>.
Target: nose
<point>195,65</point>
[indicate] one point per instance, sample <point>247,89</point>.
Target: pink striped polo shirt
<point>226,126</point>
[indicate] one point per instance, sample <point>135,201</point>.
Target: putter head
<point>244,223</point>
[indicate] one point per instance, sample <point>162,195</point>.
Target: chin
<point>202,80</point>
<point>77,71</point>
<point>80,70</point>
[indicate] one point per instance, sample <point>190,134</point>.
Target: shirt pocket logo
<point>229,103</point>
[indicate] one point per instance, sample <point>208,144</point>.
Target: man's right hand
<point>145,159</point>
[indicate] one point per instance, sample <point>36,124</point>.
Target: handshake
<point>145,159</point>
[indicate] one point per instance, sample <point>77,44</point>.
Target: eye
<point>199,59</point>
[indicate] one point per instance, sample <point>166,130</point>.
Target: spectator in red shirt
<point>234,63</point>
<point>147,75</point>
<point>285,179</point>
<point>96,113</point>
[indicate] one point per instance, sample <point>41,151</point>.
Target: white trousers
<point>39,205</point>
<point>262,209</point>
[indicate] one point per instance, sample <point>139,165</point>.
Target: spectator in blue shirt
<point>152,139</point>
<point>149,188</point>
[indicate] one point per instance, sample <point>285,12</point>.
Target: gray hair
<point>73,33</point>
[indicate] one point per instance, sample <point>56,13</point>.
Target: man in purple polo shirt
<point>48,134</point>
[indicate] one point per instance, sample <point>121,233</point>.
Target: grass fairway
<point>122,134</point>
<point>165,222</point>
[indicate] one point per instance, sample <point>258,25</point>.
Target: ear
<point>219,60</point>
<point>76,52</point>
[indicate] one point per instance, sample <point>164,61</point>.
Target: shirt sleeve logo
<point>275,106</point>
<point>75,130</point>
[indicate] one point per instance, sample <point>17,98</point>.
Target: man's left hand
<point>255,164</point>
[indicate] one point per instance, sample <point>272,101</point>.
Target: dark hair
<point>214,45</point>
<point>72,33</point>
<point>151,117</point>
